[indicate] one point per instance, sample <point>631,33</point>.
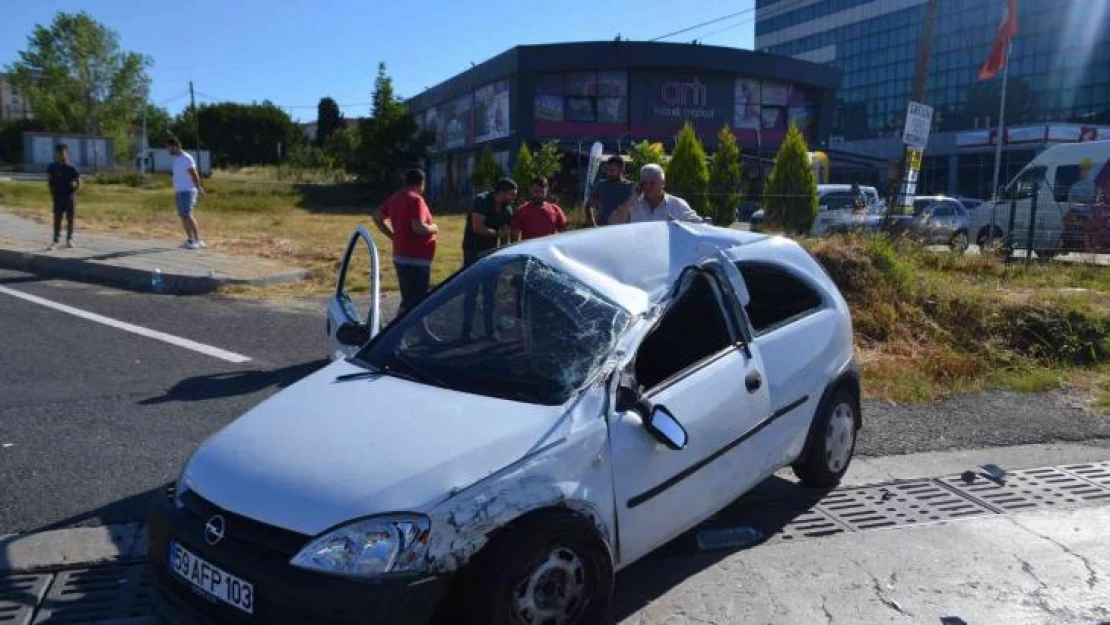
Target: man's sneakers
<point>69,243</point>
<point>194,245</point>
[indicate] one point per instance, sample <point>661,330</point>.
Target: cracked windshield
<point>574,313</point>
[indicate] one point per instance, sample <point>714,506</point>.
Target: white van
<point>1052,173</point>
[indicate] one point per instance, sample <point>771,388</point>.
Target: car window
<point>837,201</point>
<point>1022,187</point>
<point>509,327</point>
<point>693,328</point>
<point>942,209</point>
<point>921,205</point>
<point>778,297</point>
<point>1066,176</point>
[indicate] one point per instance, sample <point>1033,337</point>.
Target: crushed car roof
<point>632,264</point>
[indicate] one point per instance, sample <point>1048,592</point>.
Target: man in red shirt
<point>538,217</point>
<point>413,233</point>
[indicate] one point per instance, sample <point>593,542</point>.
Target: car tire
<point>959,242</point>
<point>832,441</point>
<point>998,245</point>
<point>552,569</point>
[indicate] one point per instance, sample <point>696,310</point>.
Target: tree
<point>643,153</point>
<point>487,171</point>
<point>688,171</point>
<point>240,134</point>
<point>343,146</point>
<point>790,200</point>
<point>328,120</point>
<point>524,169</point>
<point>390,141</point>
<point>77,79</point>
<point>158,124</point>
<point>548,160</point>
<point>725,177</point>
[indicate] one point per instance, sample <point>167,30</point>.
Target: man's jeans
<point>414,281</point>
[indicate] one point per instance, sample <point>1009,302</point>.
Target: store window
<point>589,97</point>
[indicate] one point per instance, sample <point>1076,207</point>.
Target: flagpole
<point>1001,122</point>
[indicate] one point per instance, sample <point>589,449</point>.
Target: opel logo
<point>214,529</point>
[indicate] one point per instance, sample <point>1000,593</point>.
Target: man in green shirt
<point>489,223</point>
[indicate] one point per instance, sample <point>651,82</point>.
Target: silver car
<point>936,220</point>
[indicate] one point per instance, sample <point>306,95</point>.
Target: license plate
<point>210,580</point>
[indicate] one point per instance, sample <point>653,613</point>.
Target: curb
<point>74,547</point>
<point>132,279</point>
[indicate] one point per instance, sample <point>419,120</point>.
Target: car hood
<point>323,452</point>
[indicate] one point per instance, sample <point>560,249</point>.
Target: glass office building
<point>1059,70</point>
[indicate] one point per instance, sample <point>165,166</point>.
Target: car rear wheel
<point>832,441</point>
<point>959,242</point>
<point>552,571</point>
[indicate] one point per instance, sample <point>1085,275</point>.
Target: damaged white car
<point>541,420</point>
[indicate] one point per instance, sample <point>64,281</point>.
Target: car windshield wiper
<point>373,370</point>
<point>415,374</point>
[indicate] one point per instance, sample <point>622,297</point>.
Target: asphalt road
<point>93,418</point>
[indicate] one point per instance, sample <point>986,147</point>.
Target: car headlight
<point>370,547</point>
<point>183,483</point>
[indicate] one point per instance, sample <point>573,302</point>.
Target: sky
<point>294,52</point>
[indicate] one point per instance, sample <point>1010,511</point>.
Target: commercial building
<point>618,92</point>
<point>1058,91</point>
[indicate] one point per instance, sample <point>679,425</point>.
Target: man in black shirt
<point>64,182</point>
<point>490,220</point>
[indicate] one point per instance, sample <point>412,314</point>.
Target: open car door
<point>354,310</point>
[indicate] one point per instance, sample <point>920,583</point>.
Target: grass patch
<point>928,324</point>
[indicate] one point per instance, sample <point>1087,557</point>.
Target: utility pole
<point>921,75</point>
<point>196,124</point>
<point>145,144</point>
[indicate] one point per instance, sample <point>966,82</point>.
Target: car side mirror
<point>664,427</point>
<point>354,334</point>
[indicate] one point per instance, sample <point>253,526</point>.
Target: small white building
<point>87,153</point>
<point>159,160</point>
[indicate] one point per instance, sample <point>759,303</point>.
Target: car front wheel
<point>832,442</point>
<point>959,242</point>
<point>554,571</point>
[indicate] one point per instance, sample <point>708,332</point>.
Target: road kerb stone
<point>67,548</point>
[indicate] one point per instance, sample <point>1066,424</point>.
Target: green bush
<point>486,171</point>
<point>790,198</point>
<point>688,171</point>
<point>524,169</point>
<point>643,153</point>
<point>725,177</point>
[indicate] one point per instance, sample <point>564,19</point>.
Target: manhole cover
<point>810,524</point>
<point>898,503</point>
<point>19,594</point>
<point>1097,472</point>
<point>96,594</point>
<point>1030,488</point>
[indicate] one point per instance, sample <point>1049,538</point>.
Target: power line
<point>696,26</point>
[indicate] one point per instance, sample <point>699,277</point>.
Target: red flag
<point>1006,31</point>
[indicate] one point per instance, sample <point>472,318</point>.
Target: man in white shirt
<point>186,187</point>
<point>649,201</point>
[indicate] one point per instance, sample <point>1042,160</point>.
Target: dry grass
<point>242,216</point>
<point>928,324</point>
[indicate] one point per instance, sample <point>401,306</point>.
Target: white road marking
<point>208,350</point>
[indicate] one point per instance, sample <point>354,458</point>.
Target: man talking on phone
<point>650,202</point>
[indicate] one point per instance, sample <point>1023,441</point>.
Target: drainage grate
<point>1030,488</point>
<point>898,503</point>
<point>1097,472</point>
<point>810,524</point>
<point>95,594</point>
<point>19,594</point>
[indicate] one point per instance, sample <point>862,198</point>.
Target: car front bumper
<point>282,593</point>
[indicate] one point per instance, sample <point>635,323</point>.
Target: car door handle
<point>753,381</point>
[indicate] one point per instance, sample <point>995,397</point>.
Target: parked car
<point>608,402</point>
<point>836,209</point>
<point>936,220</point>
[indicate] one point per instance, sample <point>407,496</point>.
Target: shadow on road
<point>767,509</point>
<point>21,279</point>
<point>126,510</point>
<point>233,383</point>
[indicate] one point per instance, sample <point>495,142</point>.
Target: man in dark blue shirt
<point>64,181</point>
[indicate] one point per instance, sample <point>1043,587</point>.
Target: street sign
<point>919,119</point>
<point>909,182</point>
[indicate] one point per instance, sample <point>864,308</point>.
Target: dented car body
<point>541,420</point>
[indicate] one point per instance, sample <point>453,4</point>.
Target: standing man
<point>186,188</point>
<point>413,233</point>
<point>538,217</point>
<point>64,181</point>
<point>489,221</point>
<point>608,194</point>
<point>653,203</point>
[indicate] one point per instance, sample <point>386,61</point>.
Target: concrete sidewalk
<point>130,263</point>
